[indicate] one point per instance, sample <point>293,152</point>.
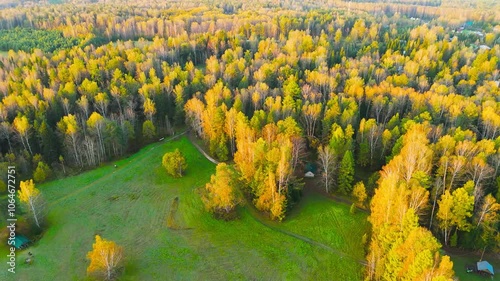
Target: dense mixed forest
<point>27,40</point>
<point>403,98</point>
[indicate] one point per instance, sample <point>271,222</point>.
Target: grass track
<point>130,205</point>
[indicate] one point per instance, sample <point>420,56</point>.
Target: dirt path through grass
<point>190,137</point>
<point>306,239</point>
<point>255,216</point>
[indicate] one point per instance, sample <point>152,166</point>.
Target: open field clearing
<point>131,204</point>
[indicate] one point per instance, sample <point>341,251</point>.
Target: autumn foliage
<point>105,258</point>
<point>400,249</point>
<point>175,163</point>
<point>222,194</point>
<point>33,200</point>
<point>409,89</point>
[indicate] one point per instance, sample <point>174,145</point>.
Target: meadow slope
<point>130,205</point>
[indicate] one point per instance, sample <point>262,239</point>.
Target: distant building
<point>309,174</point>
<point>21,242</point>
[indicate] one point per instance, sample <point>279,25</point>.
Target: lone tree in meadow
<point>29,195</point>
<point>105,258</point>
<point>174,163</point>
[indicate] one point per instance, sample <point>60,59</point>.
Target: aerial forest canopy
<point>402,97</point>
<point>27,39</point>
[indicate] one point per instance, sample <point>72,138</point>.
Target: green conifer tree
<point>346,173</point>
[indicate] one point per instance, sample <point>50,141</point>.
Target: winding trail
<point>255,216</point>
<point>249,209</point>
<point>191,139</point>
<point>306,239</point>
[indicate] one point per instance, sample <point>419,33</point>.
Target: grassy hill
<point>130,204</point>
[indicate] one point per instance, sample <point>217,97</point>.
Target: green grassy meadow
<point>320,240</point>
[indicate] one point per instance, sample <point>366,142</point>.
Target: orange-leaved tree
<point>105,258</point>
<point>221,197</point>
